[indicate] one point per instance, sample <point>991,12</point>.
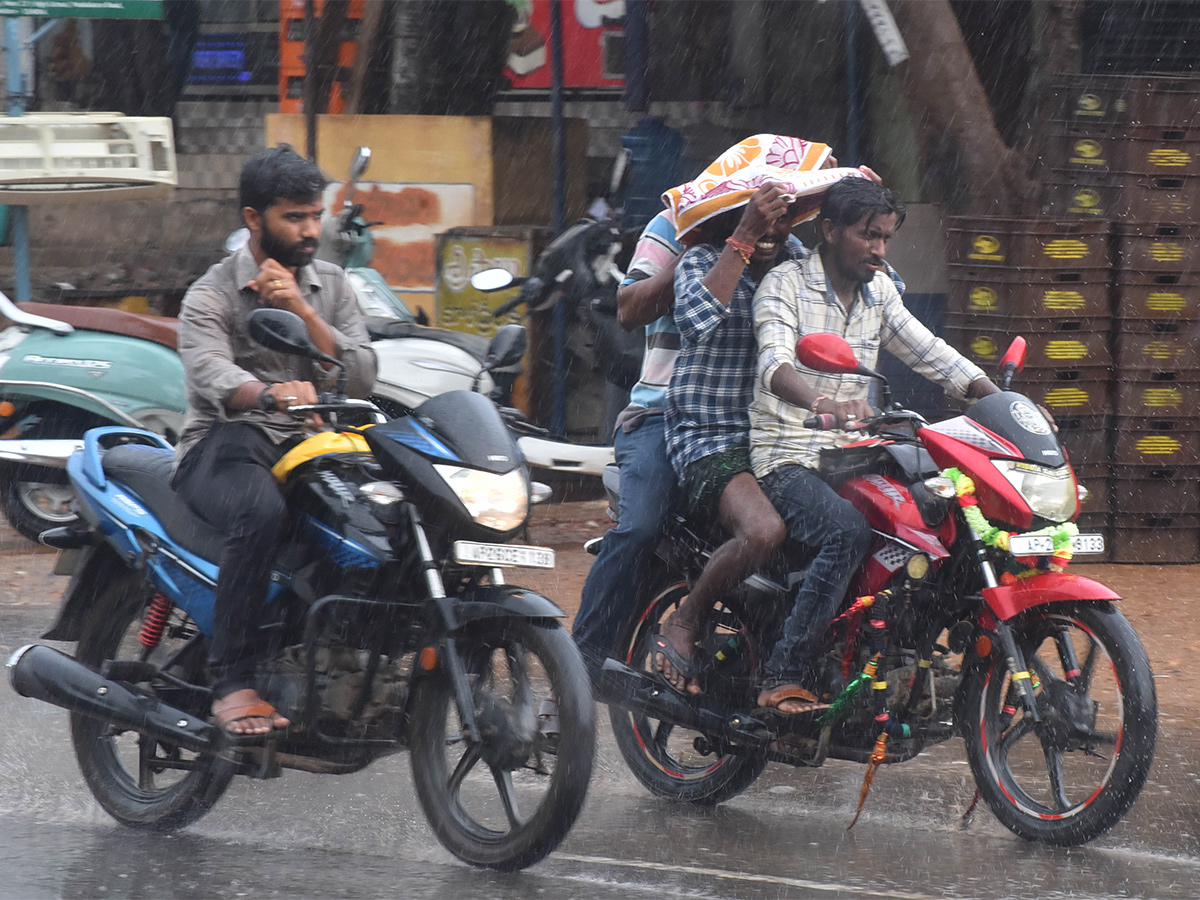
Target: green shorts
<point>705,480</point>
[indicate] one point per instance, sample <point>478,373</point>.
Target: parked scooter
<point>77,368</point>
<point>393,627</point>
<point>960,622</point>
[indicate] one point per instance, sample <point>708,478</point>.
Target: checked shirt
<point>795,300</point>
<point>709,395</point>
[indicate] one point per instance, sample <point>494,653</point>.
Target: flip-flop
<point>259,710</point>
<point>770,697</point>
<point>684,668</point>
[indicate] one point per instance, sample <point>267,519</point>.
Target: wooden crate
<point>1142,347</point>
<point>1025,244</point>
<point>1156,538</point>
<point>978,290</point>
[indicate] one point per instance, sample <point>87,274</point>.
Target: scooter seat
<point>159,329</point>
<point>147,472</point>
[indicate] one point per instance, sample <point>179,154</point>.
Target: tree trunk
<point>948,102</point>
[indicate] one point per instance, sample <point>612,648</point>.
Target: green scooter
<point>77,368</point>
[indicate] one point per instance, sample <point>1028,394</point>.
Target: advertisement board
<point>593,34</point>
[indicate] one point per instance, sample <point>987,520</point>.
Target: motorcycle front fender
<point>503,600</point>
<point>1009,600</point>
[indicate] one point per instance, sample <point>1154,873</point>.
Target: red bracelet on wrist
<point>744,250</point>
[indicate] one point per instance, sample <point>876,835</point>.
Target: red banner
<point>593,44</point>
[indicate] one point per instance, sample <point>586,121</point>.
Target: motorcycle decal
<point>1027,416</point>
<point>35,359</point>
<point>892,556</point>
<point>963,429</point>
<point>127,504</point>
<point>886,488</point>
<point>424,442</point>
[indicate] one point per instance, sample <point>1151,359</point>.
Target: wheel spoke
<point>1018,730</point>
<point>1082,682</point>
<point>508,797</point>
<point>146,747</point>
<point>1055,772</point>
<point>465,764</point>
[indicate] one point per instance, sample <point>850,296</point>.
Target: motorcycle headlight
<point>1050,493</point>
<point>499,502</point>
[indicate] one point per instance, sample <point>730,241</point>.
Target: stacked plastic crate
<point>1047,281</point>
<point>1126,149</point>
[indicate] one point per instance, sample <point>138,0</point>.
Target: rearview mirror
<point>1012,362</point>
<point>362,158</point>
<point>826,353</point>
<point>492,280</point>
<point>284,332</point>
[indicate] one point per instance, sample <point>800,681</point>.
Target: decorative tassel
<point>877,757</point>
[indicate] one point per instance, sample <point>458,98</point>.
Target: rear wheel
<point>505,801</point>
<point>139,781</point>
<point>669,760</point>
<point>1071,776</point>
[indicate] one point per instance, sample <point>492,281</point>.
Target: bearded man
<point>237,425</point>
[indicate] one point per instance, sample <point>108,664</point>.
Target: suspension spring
<point>156,620</point>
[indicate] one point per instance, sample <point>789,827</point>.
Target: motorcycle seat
<point>159,329</point>
<point>147,472</point>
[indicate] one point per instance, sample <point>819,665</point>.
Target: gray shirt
<point>219,355</point>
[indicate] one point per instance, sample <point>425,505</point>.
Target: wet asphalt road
<point>362,835</point>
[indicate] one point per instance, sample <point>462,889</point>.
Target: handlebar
<point>871,424</point>
<point>530,289</point>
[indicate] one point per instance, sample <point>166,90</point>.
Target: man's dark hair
<point>279,174</point>
<point>847,201</point>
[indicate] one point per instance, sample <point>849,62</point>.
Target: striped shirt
<point>794,300</point>
<point>709,395</point>
<point>656,250</point>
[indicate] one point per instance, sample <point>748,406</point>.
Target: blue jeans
<point>613,589</point>
<point>816,516</point>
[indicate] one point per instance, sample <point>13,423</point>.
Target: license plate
<point>473,554</point>
<point>1042,545</point>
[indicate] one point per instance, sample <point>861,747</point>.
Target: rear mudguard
<point>97,566</point>
<point>1009,600</point>
<point>496,601</point>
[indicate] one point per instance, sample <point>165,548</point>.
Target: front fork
<point>1014,659</point>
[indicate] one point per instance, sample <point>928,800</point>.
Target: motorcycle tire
<point>1070,777</point>
<point>142,783</point>
<point>665,762</point>
<point>32,507</point>
<point>515,667</point>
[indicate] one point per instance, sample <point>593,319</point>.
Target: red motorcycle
<point>962,621</point>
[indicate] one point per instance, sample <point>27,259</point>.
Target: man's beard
<point>291,255</point>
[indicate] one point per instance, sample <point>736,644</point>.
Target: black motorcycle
<point>391,627</point>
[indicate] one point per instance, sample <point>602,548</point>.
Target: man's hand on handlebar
<point>849,414</point>
<point>287,394</point>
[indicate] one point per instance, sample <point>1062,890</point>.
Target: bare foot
<point>245,713</point>
<point>674,644</point>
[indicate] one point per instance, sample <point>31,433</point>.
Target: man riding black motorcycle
<point>238,392</point>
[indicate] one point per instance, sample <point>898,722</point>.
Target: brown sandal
<point>802,700</point>
<point>256,709</point>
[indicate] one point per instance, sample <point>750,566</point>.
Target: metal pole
<point>558,413</point>
<point>854,90</point>
<point>18,215</point>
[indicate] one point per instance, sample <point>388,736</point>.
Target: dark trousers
<point>226,479</point>
<point>613,590</point>
<point>817,516</point>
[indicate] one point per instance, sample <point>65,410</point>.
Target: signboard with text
<point>84,9</point>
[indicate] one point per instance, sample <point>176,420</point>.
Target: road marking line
<point>742,876</point>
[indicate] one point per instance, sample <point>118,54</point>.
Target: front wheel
<point>506,797</point>
<point>1071,776</point>
<point>32,507</point>
<point>672,761</point>
<point>139,781</point>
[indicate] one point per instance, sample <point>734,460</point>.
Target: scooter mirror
<point>238,238</point>
<point>492,280</point>
<point>284,332</point>
<point>362,157</point>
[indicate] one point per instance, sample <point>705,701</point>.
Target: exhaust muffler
<point>641,694</point>
<point>43,673</point>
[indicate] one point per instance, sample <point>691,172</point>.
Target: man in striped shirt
<point>843,289</point>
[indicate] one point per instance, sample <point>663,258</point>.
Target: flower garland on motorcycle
<point>1060,535</point>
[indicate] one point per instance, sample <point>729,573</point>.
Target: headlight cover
<point>1050,493</point>
<point>499,502</point>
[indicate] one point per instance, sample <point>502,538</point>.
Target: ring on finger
<point>290,399</point>
<point>277,284</point>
